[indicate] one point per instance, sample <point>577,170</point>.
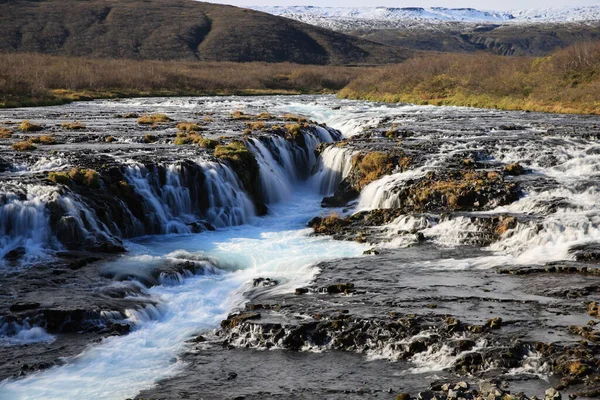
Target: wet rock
<point>234,320</point>
<point>514,169</point>
<point>18,307</point>
<point>264,282</point>
<point>15,254</point>
<point>552,394</point>
<point>402,396</point>
<point>300,291</point>
<point>494,323</point>
<point>337,288</point>
<point>428,395</point>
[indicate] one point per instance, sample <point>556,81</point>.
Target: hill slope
<point>176,30</point>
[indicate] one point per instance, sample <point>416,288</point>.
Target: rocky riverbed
<point>465,264</point>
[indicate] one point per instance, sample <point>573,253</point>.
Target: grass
<point>189,127</point>
<point>86,177</point>
<point>195,138</point>
<point>373,166</point>
<point>23,146</point>
<point>43,139</point>
<point>568,81</point>
<point>151,119</point>
<point>256,126</point>
<point>29,79</point>
<point>73,126</point>
<point>5,133</point>
<point>27,126</point>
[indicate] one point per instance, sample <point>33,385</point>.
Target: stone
<point>22,306</point>
<point>427,395</point>
<point>494,323</point>
<point>552,394</point>
<point>300,291</point>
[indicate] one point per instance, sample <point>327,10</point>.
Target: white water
<point>277,246</point>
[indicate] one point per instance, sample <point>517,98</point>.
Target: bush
<point>27,126</point>
<point>62,178</point>
<point>110,139</point>
<point>86,177</point>
<point>256,126</point>
<point>23,146</point>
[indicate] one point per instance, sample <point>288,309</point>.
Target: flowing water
<point>278,246</point>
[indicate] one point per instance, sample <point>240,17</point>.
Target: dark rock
<point>17,307</point>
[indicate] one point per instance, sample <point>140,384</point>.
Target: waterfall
<point>334,165</point>
<point>181,197</point>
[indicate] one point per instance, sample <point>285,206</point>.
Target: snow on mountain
<point>347,18</point>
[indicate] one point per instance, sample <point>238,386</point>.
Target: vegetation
<point>27,126</point>
<point>5,133</point>
<point>200,140</point>
<point>373,166</point>
<point>151,119</point>
<point>35,79</point>
<point>86,177</point>
<point>44,139</point>
<point>148,138</point>
<point>256,126</point>
<point>566,82</point>
<point>189,127</point>
<point>23,146</point>
<point>243,162</point>
<point>73,126</point>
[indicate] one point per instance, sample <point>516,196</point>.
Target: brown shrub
<point>27,126</point>
<point>73,126</point>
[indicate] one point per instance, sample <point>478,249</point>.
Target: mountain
<point>527,32</point>
<point>349,19</point>
<point>177,30</point>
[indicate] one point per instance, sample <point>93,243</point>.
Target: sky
<point>481,4</point>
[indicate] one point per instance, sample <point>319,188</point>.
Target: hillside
<point>176,30</point>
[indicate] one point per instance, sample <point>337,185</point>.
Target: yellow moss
<point>373,166</point>
<point>256,126</point>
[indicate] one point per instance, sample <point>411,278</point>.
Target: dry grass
<point>568,81</point>
<point>373,166</point>
<point>189,127</point>
<point>256,126</point>
<point>73,126</point>
<point>5,133</point>
<point>86,177</point>
<point>23,146</point>
<point>34,79</point>
<point>43,139</point>
<point>27,126</point>
<point>195,138</point>
<point>151,119</point>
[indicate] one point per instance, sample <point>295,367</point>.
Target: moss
<point>73,126</point>
<point>201,141</point>
<point>5,133</point>
<point>151,119</point>
<point>207,143</point>
<point>27,126</point>
<point>86,177</point>
<point>23,146</point>
<point>110,139</point>
<point>189,127</point>
<point>328,225</point>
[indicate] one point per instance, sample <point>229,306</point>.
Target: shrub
<point>73,126</point>
<point>151,119</point>
<point>296,118</point>
<point>207,143</point>
<point>264,115</point>
<point>86,177</point>
<point>23,146</point>
<point>110,139</point>
<point>27,126</point>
